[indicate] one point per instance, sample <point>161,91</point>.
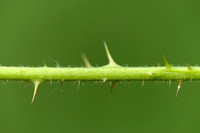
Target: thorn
<point>37,84</point>
<point>26,84</point>
<point>189,68</point>
<point>79,82</point>
<point>170,83</point>
<point>61,83</point>
<point>85,60</point>
<point>179,86</point>
<point>167,65</point>
<point>45,65</point>
<point>142,83</point>
<point>112,85</point>
<point>104,80</point>
<point>83,84</point>
<point>110,59</point>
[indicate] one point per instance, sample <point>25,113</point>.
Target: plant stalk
<point>100,73</point>
<point>111,72</point>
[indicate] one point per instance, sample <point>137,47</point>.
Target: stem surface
<point>100,73</point>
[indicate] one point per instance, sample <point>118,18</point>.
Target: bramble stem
<point>111,72</point>
<point>100,73</point>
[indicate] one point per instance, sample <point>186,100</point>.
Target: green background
<point>138,33</point>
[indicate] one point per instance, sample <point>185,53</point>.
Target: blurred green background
<point>138,33</point>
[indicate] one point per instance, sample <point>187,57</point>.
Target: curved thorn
<point>37,84</point>
<point>85,60</point>
<point>110,59</point>
<point>167,65</point>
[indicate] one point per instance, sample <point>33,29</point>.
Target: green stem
<point>100,73</point>
<point>111,72</point>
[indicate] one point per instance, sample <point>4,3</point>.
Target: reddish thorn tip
<point>112,86</point>
<point>26,84</point>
